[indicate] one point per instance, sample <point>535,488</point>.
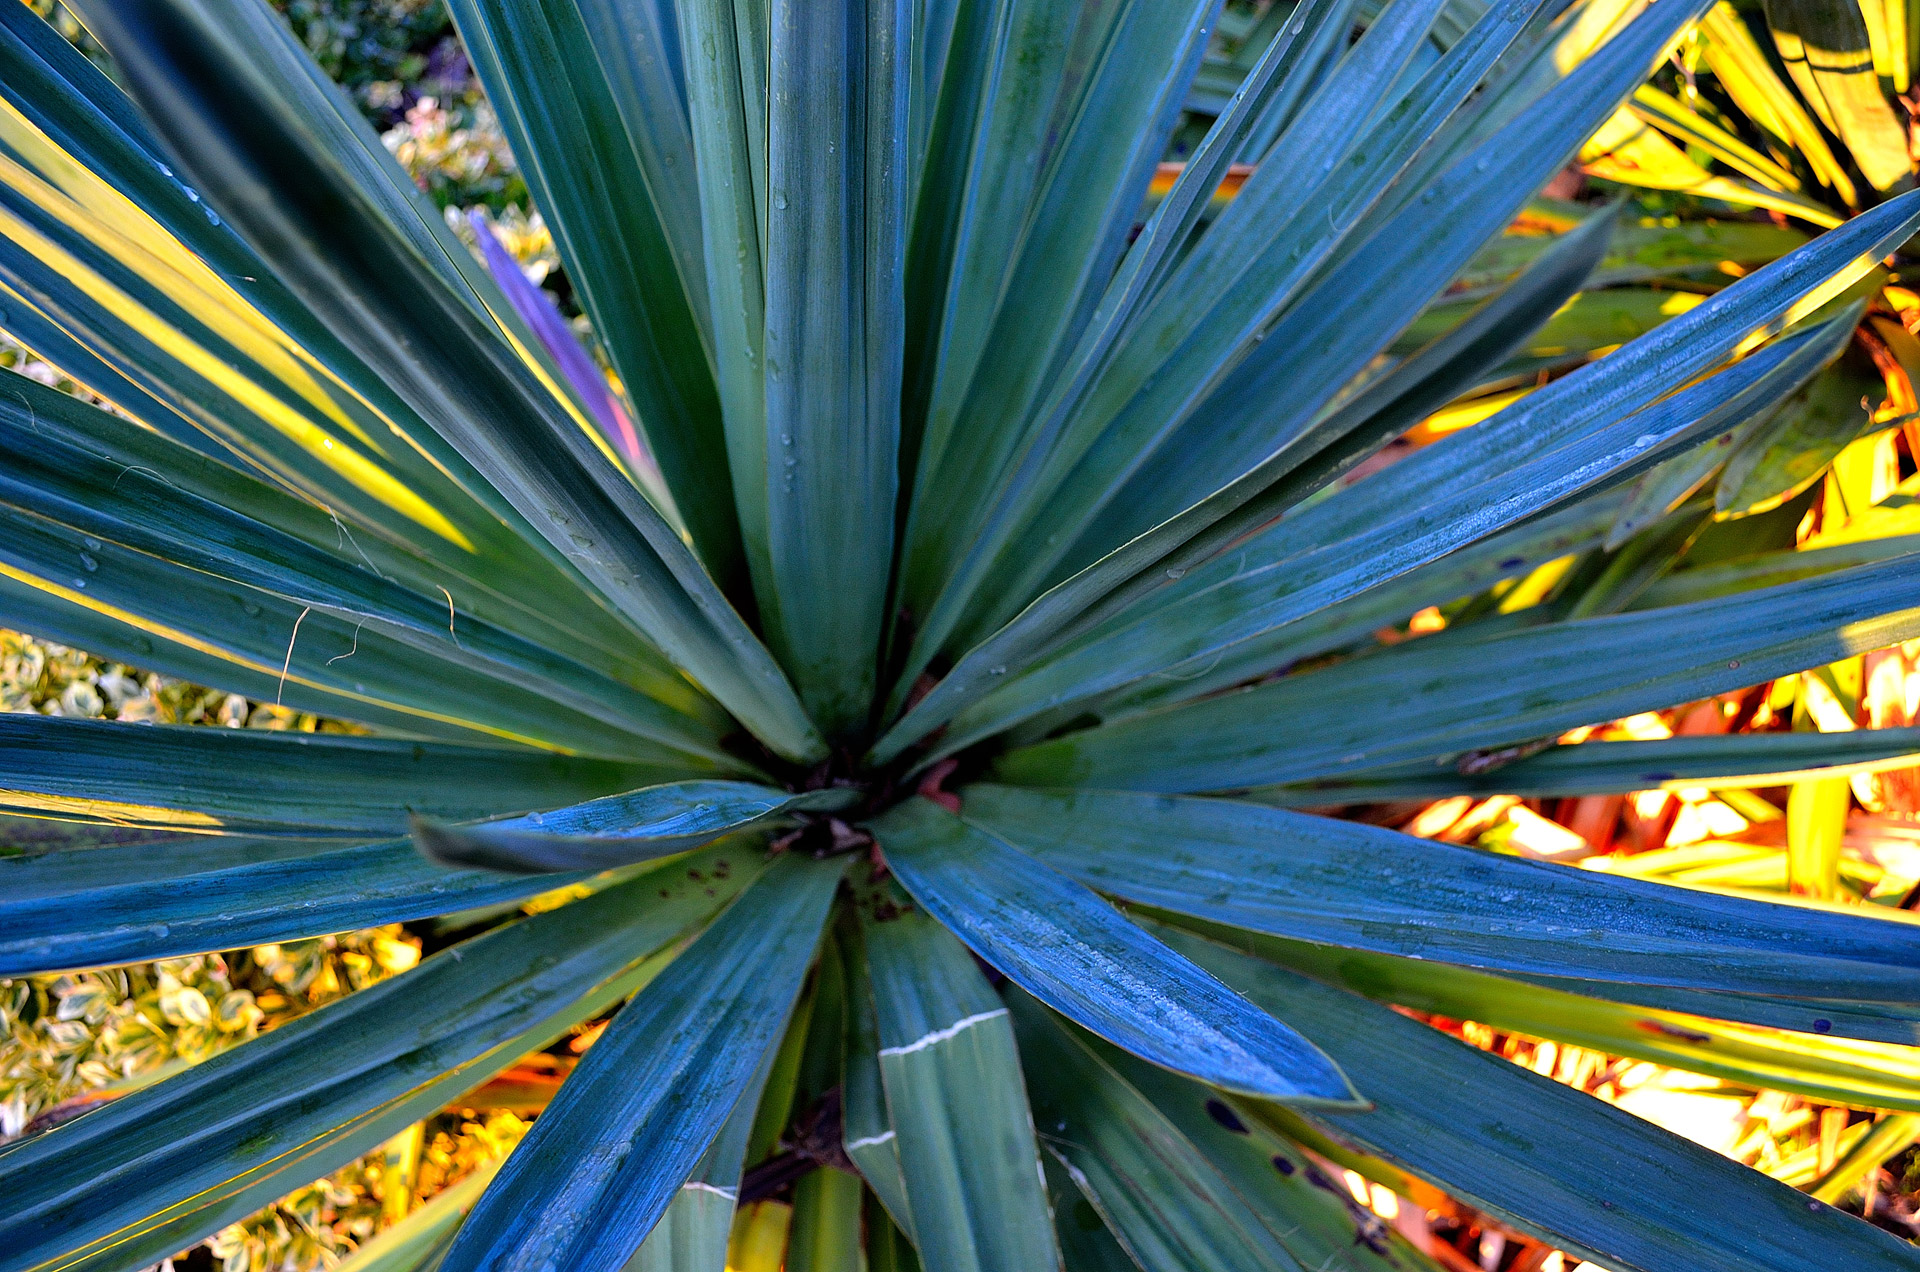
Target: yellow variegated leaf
<point>1743,70</point>
<point>1678,120</point>
<point>55,209</point>
<point>1628,151</point>
<point>1827,51</point>
<point>1816,824</point>
<point>1842,1070</point>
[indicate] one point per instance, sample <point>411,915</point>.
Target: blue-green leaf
<point>150,1173</point>
<point>724,50</point>
<point>1298,567</point>
<point>611,169</point>
<point>866,1126</point>
<point>1171,405</point>
<point>1583,1176</point>
<point>1642,372</point>
<point>1312,1215</point>
<point>1744,760</point>
<point>1764,569</point>
<point>1365,887</point>
<point>270,152</point>
<point>439,664</point>
<point>1051,196</point>
<point>1436,700</point>
<point>1086,1243</point>
<point>611,1151</point>
<point>616,830</point>
<point>967,1156</point>
<point>1078,955</point>
<point>1167,1205</point>
<point>1828,1070</point>
<point>1423,233</point>
<point>1351,624</point>
<point>835,261</point>
<point>115,270</point>
<point>692,1235</point>
<point>256,782</point>
<point>1451,362</point>
<point>98,906</point>
<point>509,597</point>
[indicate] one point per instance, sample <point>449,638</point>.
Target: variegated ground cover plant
<point>905,674</point>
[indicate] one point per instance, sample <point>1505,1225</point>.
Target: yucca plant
<point>1004,563</point>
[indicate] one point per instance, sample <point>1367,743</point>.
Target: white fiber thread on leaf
<point>731,1194</point>
<point>337,657</point>
<point>941,1035</point>
<point>871,1141</point>
<point>281,692</point>
<point>449,596</point>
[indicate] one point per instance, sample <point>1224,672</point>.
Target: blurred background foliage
<point>1769,122</point>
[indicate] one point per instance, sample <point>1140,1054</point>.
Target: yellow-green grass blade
<point>1816,825</point>
<point>1675,118</point>
<point>1737,61</point>
<point>779,1092</point>
<point>825,1236</point>
<point>888,1249</point>
<point>1785,455</point>
<point>417,1239</point>
<point>1627,150</point>
<point>1641,249</point>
